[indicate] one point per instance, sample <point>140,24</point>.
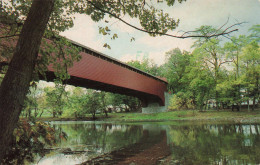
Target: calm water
<point>155,143</point>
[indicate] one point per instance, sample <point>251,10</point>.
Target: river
<point>154,143</point>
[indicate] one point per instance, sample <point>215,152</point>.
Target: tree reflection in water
<point>215,144</point>
<point>156,143</point>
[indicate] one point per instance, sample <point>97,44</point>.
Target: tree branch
<point>209,61</point>
<point>224,62</point>
<point>9,36</point>
<point>224,32</point>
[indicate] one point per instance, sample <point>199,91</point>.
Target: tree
<point>93,103</point>
<point>55,98</point>
<point>31,102</point>
<point>233,51</point>
<point>75,103</point>
<point>16,82</point>
<point>37,14</point>
<point>251,61</point>
<point>103,102</point>
<point>147,66</point>
<point>210,52</point>
<point>176,64</point>
<point>201,84</point>
<point>255,33</point>
<point>190,80</point>
<point>127,103</point>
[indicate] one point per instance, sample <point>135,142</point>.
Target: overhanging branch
<point>224,32</point>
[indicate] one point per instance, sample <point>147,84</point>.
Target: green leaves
<point>60,54</point>
<point>29,140</point>
<point>107,46</point>
<point>56,99</point>
<point>104,31</point>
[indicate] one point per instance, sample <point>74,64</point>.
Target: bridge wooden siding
<point>98,71</point>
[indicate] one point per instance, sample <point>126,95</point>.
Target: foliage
<point>214,143</point>
<point>55,98</point>
<point>146,65</point>
<point>191,77</point>
<point>123,102</point>
<point>223,72</point>
<point>255,33</point>
<point>175,69</point>
<point>209,53</point>
<point>14,13</point>
<point>35,102</point>
<point>29,139</point>
<point>251,59</point>
<point>181,101</point>
<point>75,104</point>
<point>55,50</point>
<point>93,103</point>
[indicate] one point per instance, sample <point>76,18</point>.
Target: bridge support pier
<point>154,107</point>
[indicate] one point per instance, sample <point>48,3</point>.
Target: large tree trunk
<point>16,82</point>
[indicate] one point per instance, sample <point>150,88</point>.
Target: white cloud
<point>192,14</point>
<point>157,57</point>
<point>117,25</point>
<point>128,57</point>
<point>164,42</point>
<point>85,32</point>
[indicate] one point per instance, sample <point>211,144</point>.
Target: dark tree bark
<point>16,82</point>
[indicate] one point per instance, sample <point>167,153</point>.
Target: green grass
<point>184,115</point>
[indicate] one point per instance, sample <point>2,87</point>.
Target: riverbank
<point>184,115</point>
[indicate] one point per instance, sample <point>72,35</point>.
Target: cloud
<point>192,15</point>
<point>128,57</point>
<point>85,32</point>
<point>157,57</point>
<point>117,25</point>
<point>164,42</point>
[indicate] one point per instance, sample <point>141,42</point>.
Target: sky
<point>192,15</point>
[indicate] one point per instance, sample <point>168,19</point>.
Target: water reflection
<point>155,143</point>
<point>215,144</point>
<point>87,140</point>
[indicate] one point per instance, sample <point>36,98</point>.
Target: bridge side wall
<point>106,72</point>
<point>97,69</point>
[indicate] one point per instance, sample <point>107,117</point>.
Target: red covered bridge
<point>98,71</point>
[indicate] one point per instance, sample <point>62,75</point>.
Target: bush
<point>30,139</point>
<point>181,101</point>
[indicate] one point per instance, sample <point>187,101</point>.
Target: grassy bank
<point>242,116</point>
<point>188,115</point>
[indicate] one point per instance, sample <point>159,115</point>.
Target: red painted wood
<point>96,69</point>
<point>114,76</point>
